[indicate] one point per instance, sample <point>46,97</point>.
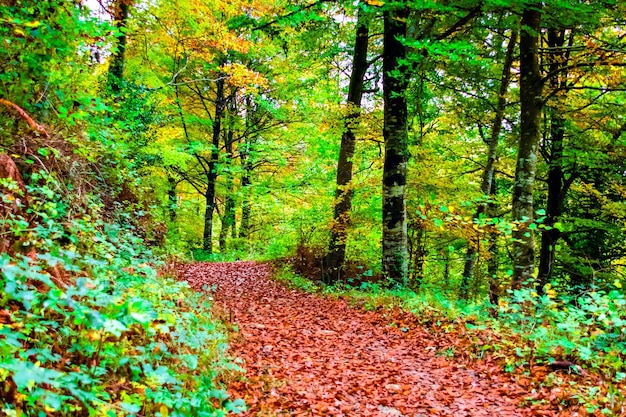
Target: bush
<point>589,329</point>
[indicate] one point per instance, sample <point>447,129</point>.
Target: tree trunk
<point>207,238</point>
<point>416,241</point>
<point>395,133</point>
<point>526,167</point>
<point>488,173</point>
<point>246,174</point>
<point>228,220</point>
<point>115,75</point>
<point>245,189</point>
<point>334,261</point>
<point>557,186</point>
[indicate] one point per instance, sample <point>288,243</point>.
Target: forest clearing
<point>312,207</point>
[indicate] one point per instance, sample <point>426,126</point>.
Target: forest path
<point>308,355</point>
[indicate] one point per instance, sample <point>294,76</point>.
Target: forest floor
<point>309,355</point>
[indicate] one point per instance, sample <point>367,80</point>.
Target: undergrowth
<point>89,327</point>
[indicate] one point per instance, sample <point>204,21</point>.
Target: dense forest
<point>461,161</point>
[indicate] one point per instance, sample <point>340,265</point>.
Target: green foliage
<point>230,256</point>
<point>293,280</point>
<point>589,329</point>
<point>41,68</point>
<point>88,327</point>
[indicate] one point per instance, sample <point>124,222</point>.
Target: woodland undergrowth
<point>90,321</point>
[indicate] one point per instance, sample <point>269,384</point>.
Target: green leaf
<point>130,408</point>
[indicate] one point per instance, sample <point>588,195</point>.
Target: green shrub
<point>589,329</point>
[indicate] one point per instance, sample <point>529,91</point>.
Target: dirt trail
<point>308,355</point>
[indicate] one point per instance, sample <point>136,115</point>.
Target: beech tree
<point>531,87</point>
<point>552,151</point>
<point>395,134</point>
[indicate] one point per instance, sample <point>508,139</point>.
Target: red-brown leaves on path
<point>307,355</point>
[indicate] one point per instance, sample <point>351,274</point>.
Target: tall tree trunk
<point>395,133</point>
<point>207,238</point>
<point>416,234</point>
<point>228,220</point>
<point>557,186</point>
<point>526,167</point>
<point>246,173</point>
<point>492,154</point>
<point>115,75</point>
<point>334,261</point>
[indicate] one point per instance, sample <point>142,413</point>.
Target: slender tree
<point>246,172</point>
<point>228,218</point>
<point>492,153</point>
<point>552,150</point>
<point>220,104</point>
<point>334,261</point>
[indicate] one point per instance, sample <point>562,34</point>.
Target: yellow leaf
<point>164,411</point>
<point>375,2</point>
<point>617,284</point>
<point>94,335</point>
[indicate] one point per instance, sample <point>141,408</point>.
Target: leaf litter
<point>309,355</point>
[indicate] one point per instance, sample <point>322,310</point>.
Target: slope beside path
<point>307,355</point>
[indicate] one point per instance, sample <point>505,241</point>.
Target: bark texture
<point>395,133</point>
<point>492,263</point>
<point>334,261</point>
<point>246,174</point>
<point>526,167</point>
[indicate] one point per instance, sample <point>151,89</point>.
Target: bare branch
<point>22,113</point>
